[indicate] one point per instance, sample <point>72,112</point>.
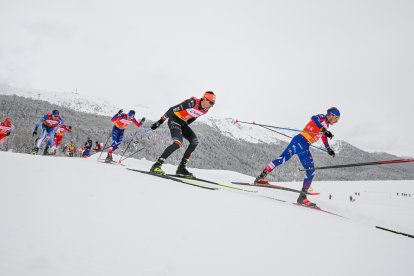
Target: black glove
<point>331,152</point>
<point>34,133</point>
<point>8,133</point>
<point>155,125</point>
<point>120,111</point>
<point>327,133</point>
<point>142,120</point>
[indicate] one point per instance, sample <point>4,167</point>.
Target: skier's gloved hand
<point>327,133</point>
<point>155,125</point>
<point>331,152</point>
<point>8,133</point>
<point>120,111</point>
<point>142,120</point>
<point>34,133</point>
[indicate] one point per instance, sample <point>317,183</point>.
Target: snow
<point>72,216</point>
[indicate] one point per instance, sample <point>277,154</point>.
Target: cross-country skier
<point>5,129</point>
<point>71,149</point>
<point>87,148</point>
<point>179,118</point>
<point>121,120</point>
<point>50,123</point>
<point>315,129</point>
<point>98,147</point>
<point>59,136</point>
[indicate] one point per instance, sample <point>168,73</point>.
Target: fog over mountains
<point>223,143</point>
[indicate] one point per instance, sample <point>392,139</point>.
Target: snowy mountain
<point>73,216</point>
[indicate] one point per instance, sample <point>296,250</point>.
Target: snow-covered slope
<point>71,216</point>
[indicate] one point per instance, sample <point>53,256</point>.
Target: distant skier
<point>59,136</point>
<point>5,129</point>
<point>50,123</point>
<point>71,149</point>
<point>179,117</point>
<point>121,120</point>
<point>315,129</point>
<point>98,147</point>
<point>87,148</point>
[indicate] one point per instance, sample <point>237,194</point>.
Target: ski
<point>111,162</point>
<point>273,186</point>
<point>175,179</point>
<point>304,206</point>
<point>211,182</point>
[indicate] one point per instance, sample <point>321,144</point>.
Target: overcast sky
<point>275,62</point>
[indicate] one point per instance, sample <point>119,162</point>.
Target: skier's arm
<point>138,124</point>
<point>315,119</point>
<point>170,112</point>
<point>331,152</point>
<point>115,118</point>
<point>182,106</point>
<point>65,127</point>
<point>40,121</point>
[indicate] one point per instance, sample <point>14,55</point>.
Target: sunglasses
<point>336,118</point>
<point>210,102</point>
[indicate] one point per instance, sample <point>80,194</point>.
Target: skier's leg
<point>177,137</point>
<point>188,134</point>
<point>42,138</point>
<point>307,162</point>
<point>292,149</point>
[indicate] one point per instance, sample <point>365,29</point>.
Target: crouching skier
<point>179,117</point>
<point>315,129</point>
<point>121,120</point>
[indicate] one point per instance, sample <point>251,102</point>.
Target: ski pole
<point>128,146</point>
<point>285,128</point>
<point>145,131</point>
<point>382,162</point>
<point>321,149</point>
<point>120,159</point>
<point>104,146</point>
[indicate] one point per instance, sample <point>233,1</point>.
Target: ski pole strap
<point>285,128</point>
<point>382,162</point>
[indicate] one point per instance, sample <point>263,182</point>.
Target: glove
<point>8,133</point>
<point>34,133</point>
<point>331,152</point>
<point>120,111</point>
<point>327,133</point>
<point>142,120</point>
<point>155,125</point>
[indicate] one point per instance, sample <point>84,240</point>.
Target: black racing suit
<point>180,128</point>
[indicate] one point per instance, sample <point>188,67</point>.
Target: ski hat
<point>333,111</point>
<point>7,120</point>
<point>131,113</point>
<point>210,96</point>
<point>55,112</point>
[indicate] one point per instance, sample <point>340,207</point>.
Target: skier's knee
<point>178,143</point>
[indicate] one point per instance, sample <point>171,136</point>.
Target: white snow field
<point>79,217</point>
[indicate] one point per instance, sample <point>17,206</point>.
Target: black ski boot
<point>302,200</point>
<point>261,179</point>
<point>182,170</point>
<point>35,150</point>
<point>156,168</point>
<point>46,151</point>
